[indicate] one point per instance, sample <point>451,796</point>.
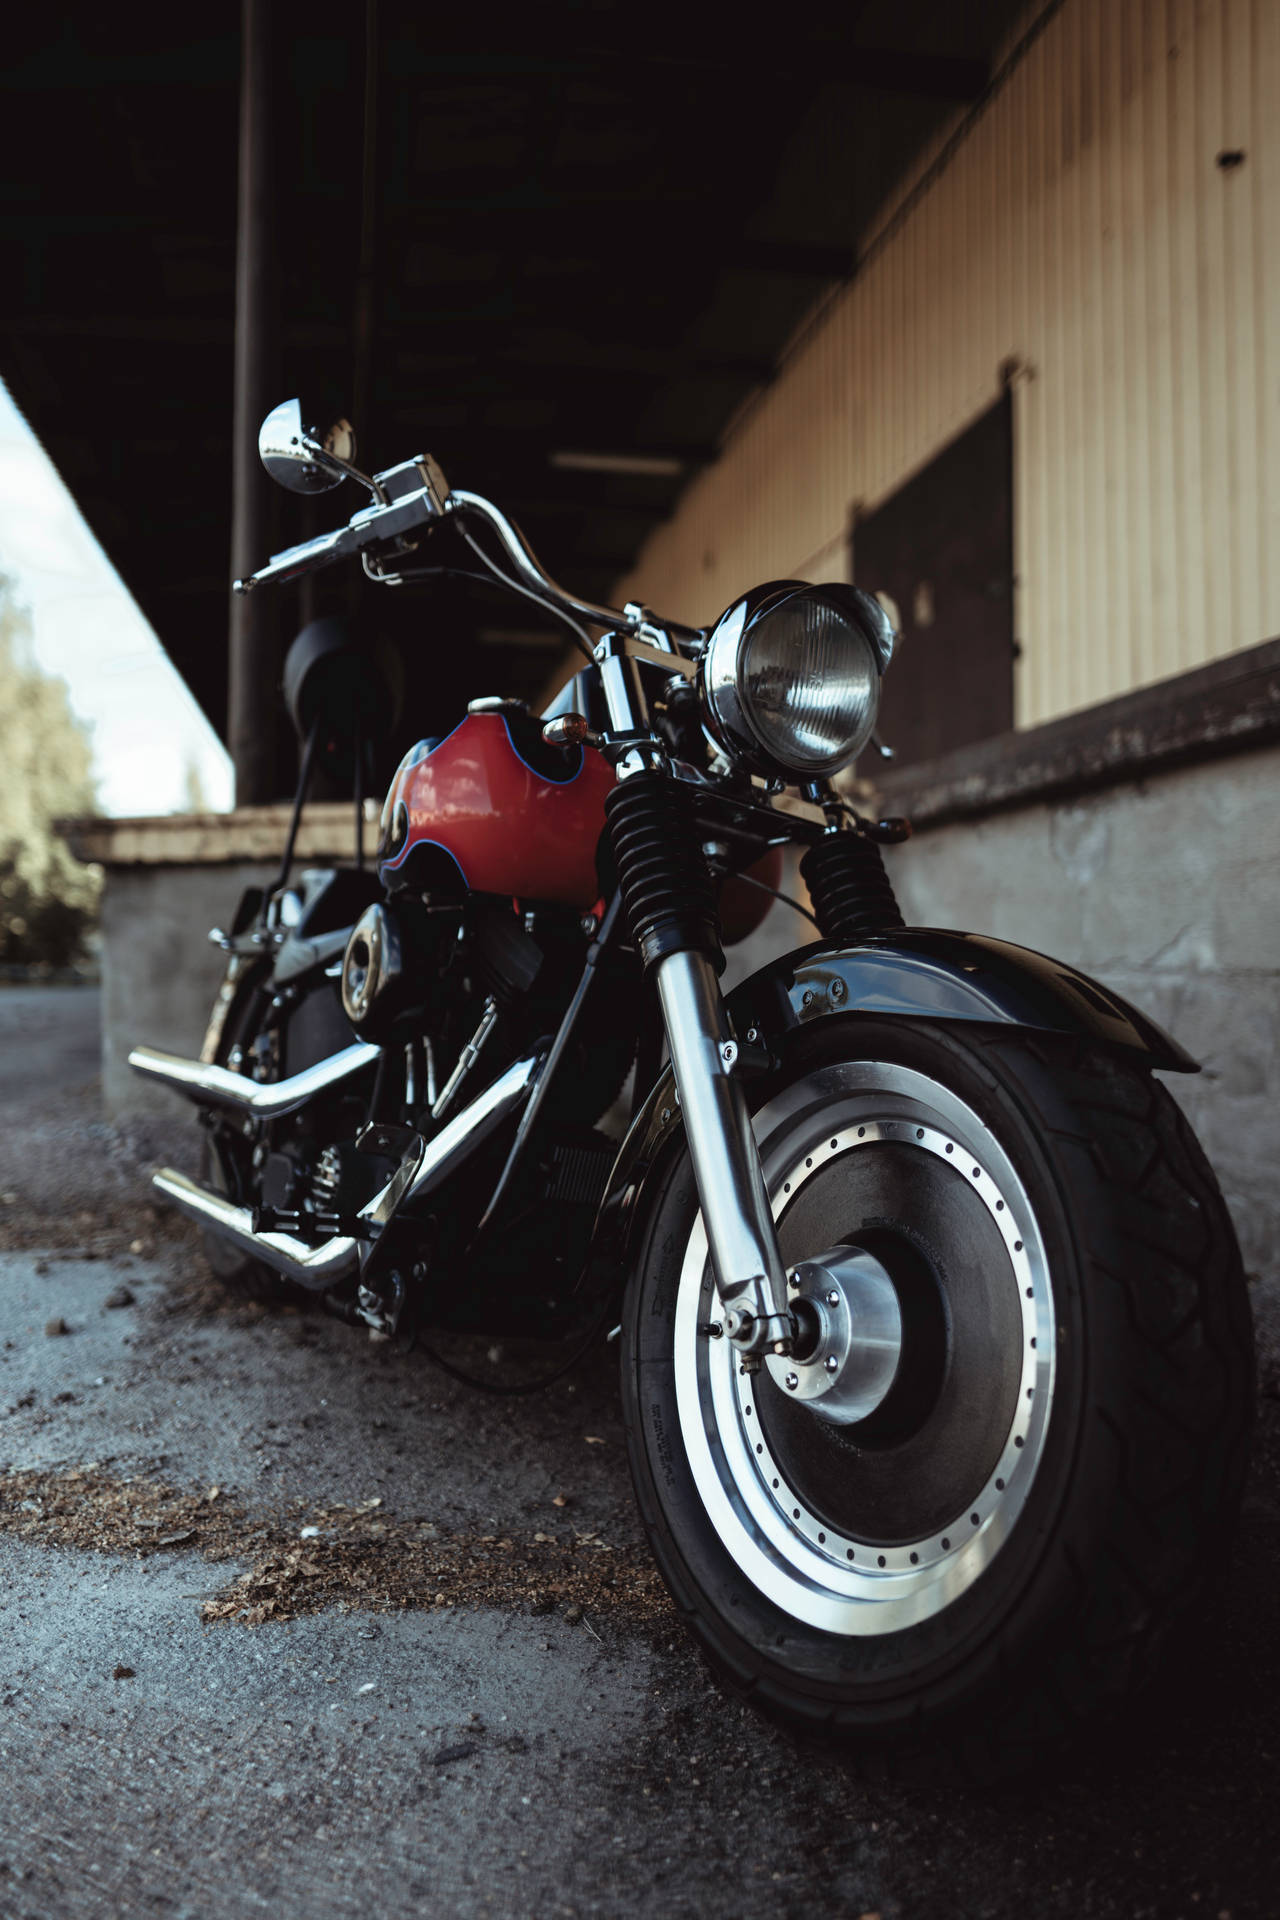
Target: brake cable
<point>785,898</point>
<point>581,638</point>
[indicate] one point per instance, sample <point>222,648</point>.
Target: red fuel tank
<point>508,827</point>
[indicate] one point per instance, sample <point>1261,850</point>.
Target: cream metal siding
<point>1083,233</point>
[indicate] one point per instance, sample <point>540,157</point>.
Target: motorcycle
<point>935,1351</point>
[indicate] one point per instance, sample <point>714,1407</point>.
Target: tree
<point>48,901</point>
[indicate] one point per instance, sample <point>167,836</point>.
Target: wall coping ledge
<point>1225,707</point>
<point>326,832</point>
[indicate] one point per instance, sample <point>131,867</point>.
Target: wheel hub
<point>869,1526</point>
<point>849,1335</point>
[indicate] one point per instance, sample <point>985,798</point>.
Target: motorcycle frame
<point>703,1051</point>
<point>750,1277</point>
<point>704,1081</point>
<point>714,1044</point>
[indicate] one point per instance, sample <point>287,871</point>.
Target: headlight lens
<point>791,679</point>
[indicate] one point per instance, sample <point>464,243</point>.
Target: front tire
<point>1008,1542</point>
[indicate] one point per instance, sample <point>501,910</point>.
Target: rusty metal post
<point>254,666</point>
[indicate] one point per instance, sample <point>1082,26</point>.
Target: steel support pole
<point>251,695</point>
<point>364,317</point>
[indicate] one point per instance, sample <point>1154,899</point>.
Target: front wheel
<point>1006,1540</point>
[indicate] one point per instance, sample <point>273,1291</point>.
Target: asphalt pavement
<point>49,1039</point>
<point>402,1751</point>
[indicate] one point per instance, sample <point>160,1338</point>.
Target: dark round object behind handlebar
<point>350,686</point>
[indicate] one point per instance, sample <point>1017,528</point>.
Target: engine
<point>397,957</point>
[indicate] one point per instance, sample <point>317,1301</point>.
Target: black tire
<point>227,1167</point>
<point>242,1276</point>
<point>1141,1453</point>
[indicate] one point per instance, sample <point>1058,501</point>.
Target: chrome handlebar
<point>661,636</point>
<point>409,496</point>
<point>531,576</point>
<point>295,561</point>
<point>415,495</point>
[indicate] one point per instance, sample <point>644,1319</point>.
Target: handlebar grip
<point>295,561</point>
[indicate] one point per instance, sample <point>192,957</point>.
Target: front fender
<point>918,973</point>
<point>927,973</point>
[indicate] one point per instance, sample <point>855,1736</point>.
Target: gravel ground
<point>477,1704</point>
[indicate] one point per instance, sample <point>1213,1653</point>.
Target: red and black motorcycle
<point>936,1356</point>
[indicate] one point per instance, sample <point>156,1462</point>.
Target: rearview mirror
<point>304,461</point>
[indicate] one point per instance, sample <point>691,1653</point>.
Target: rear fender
<point>915,974</point>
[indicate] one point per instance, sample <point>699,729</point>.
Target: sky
<point>147,729</point>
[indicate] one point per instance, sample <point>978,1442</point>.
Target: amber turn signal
<point>566,730</point>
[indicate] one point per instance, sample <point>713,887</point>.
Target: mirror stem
<point>336,464</point>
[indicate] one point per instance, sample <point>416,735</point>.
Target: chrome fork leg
<point>726,1163</point>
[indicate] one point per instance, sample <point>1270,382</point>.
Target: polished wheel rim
<point>874,1134</point>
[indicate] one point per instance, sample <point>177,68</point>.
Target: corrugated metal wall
<point>1084,229</point>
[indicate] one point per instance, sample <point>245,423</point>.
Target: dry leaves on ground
<point>351,1556</point>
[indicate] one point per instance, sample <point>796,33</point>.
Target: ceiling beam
<point>66,64</point>
<point>532,451</point>
<point>791,259</point>
<point>549,506</point>
<point>835,60</point>
<point>491,346</point>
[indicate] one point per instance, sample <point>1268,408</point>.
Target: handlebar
<point>415,496</point>
<point>411,496</point>
<point>530,574</point>
<point>295,561</point>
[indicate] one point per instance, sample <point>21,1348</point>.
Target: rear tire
<point>988,1567</point>
<point>242,1276</point>
<point>230,1170</point>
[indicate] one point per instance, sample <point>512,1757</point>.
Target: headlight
<point>791,677</point>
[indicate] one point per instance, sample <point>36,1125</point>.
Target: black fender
<point>918,973</point>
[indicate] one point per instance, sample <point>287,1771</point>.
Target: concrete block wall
<point>1169,891</point>
<point>159,971</point>
<point>167,880</point>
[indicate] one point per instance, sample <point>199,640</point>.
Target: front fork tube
<point>750,1276</point>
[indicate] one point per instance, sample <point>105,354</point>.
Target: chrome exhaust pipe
<point>422,1169</point>
<point>319,1267</point>
<point>211,1086</point>
<point>468,1129</point>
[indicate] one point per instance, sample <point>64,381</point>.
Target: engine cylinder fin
<point>326,1177</point>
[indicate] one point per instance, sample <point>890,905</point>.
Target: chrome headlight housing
<point>790,681</point>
